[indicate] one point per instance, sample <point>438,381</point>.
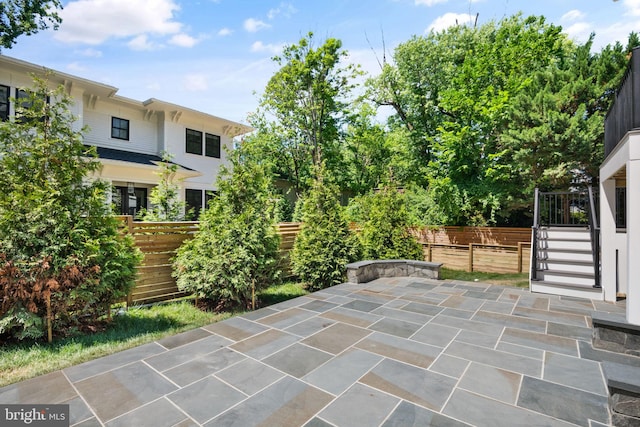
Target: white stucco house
<point>131,135</point>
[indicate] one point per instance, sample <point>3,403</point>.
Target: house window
<point>212,146</point>
<point>194,142</point>
<point>119,128</point>
<point>128,201</point>
<point>621,207</point>
<point>4,102</point>
<point>208,195</point>
<point>23,99</point>
<point>193,199</point>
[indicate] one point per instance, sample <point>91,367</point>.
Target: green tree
<point>370,153</point>
<point>18,17</point>
<point>164,197</point>
<point>555,134</point>
<point>307,98</point>
<point>385,226</point>
<point>474,100</point>
<point>63,257</point>
<point>235,251</point>
<point>324,245</point>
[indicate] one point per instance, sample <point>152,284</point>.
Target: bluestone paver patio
<point>392,352</point>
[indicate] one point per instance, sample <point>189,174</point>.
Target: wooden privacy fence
<point>158,242</point>
<point>480,257</point>
<point>459,248</point>
<point>486,249</point>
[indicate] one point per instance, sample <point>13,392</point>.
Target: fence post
<point>129,220</point>
<point>471,257</point>
<point>519,257</point>
<point>430,253</point>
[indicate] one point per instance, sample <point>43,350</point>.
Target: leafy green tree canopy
<point>495,110</point>
<point>18,17</point>
<point>307,98</point>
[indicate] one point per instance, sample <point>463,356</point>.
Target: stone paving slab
<point>392,352</point>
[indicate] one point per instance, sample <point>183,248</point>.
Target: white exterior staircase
<point>564,264</point>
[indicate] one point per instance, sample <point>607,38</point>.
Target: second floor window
<point>194,142</point>
<point>119,128</point>
<point>212,145</point>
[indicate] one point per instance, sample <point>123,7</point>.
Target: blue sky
<point>215,55</point>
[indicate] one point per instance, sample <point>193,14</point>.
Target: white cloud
<point>580,31</point>
<point>183,40</point>
<point>225,32</point>
<point>75,67</point>
<point>195,82</point>
<point>94,21</point>
<point>632,6</point>
<point>572,15</point>
<point>449,20</point>
<point>284,9</point>
<point>255,25</point>
<point>429,2</point>
<point>90,53</point>
<point>142,42</point>
<point>261,47</point>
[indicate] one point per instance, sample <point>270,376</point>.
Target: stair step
<point>565,289</point>
<point>580,267</point>
<point>566,278</point>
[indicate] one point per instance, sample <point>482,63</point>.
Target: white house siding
<point>623,161</point>
<point>143,133</point>
<point>154,126</point>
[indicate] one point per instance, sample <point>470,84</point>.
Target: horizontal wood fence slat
<point>158,241</point>
<point>489,249</point>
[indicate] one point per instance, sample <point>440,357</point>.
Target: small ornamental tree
<point>325,244</point>
<point>235,251</point>
<point>385,230</point>
<point>62,258</point>
<point>164,197</point>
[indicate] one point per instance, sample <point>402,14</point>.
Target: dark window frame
<point>191,146</point>
<point>4,115</point>
<point>621,207</point>
<point>192,204</point>
<point>118,128</point>
<point>21,94</point>
<point>212,145</point>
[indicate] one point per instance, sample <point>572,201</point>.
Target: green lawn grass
<point>520,280</point>
<point>136,326</point>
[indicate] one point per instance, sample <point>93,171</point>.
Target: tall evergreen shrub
<point>385,231</point>
<point>236,247</point>
<point>325,244</point>
<point>62,259</point>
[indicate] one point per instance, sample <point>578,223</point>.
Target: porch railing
<point>623,115</point>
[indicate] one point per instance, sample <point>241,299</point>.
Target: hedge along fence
<point>158,241</point>
<point>476,249</point>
